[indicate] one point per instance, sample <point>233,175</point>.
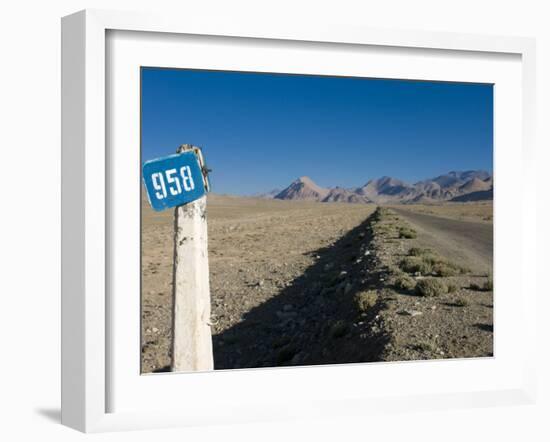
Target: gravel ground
<point>458,324</point>
<point>265,255</point>
<point>285,282</point>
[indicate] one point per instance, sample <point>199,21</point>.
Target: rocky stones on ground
<point>314,246</point>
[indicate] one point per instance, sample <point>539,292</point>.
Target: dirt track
<point>468,242</point>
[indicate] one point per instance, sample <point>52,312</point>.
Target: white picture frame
<point>91,360</point>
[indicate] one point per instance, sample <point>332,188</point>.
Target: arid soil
<point>303,283</point>
<point>259,251</point>
<point>456,322</point>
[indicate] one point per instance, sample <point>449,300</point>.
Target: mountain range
<point>459,186</point>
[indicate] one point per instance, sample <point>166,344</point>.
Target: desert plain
<point>307,283</point>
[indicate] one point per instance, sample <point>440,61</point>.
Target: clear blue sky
<point>262,131</point>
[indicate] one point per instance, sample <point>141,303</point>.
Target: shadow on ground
<point>51,414</point>
<point>314,320</point>
<point>485,327</point>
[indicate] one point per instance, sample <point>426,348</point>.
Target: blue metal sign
<point>173,180</point>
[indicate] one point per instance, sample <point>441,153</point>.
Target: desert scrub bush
<point>405,282</point>
<point>433,259</point>
<point>419,251</point>
<point>427,255</point>
<point>452,287</point>
<point>365,300</point>
<point>382,229</point>
<point>443,268</point>
<point>339,329</point>
<point>487,286</point>
<point>380,214</point>
<point>393,269</point>
<point>414,264</point>
<point>407,233</point>
<point>439,265</point>
<point>462,302</point>
<point>426,346</point>
<point>431,287</point>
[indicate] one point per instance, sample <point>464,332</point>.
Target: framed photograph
<point>265,222</point>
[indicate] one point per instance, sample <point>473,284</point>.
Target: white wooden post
<point>192,337</point>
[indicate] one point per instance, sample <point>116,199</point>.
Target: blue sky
<point>262,131</point>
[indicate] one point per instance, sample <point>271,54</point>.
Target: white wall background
<point>30,214</point>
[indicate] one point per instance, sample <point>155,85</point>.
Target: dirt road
<point>468,242</point>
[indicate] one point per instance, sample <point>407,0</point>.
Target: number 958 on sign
<point>173,180</point>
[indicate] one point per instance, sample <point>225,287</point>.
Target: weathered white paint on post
<point>192,337</point>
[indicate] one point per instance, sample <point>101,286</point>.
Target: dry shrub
<point>452,287</point>
<point>405,282</point>
<point>418,251</point>
<point>414,264</point>
<point>407,233</point>
<point>431,287</point>
<point>446,269</point>
<point>462,302</point>
<point>426,346</point>
<point>487,286</point>
<point>365,300</point>
<point>435,263</point>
